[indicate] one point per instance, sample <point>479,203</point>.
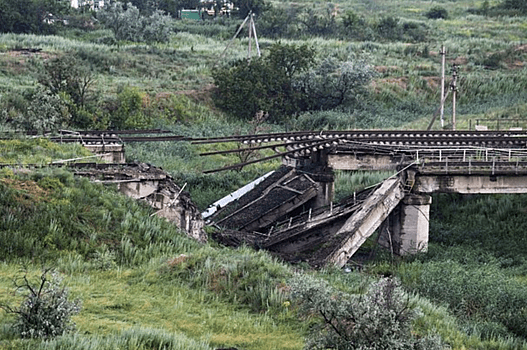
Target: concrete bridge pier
<point>326,188</point>
<point>405,231</point>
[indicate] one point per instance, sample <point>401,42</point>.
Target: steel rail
<point>153,139</point>
<point>238,150</point>
<point>118,132</point>
<point>280,154</point>
<point>361,134</point>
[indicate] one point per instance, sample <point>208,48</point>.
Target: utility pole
<point>250,36</point>
<point>443,58</point>
<point>255,36</point>
<point>252,30</point>
<point>453,87</point>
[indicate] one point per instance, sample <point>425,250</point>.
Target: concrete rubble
<point>281,215</point>
<point>154,186</point>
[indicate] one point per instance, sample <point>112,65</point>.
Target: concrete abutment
<point>406,229</point>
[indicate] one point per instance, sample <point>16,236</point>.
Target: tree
<point>44,112</point>
<point>29,16</point>
<point>66,77</point>
<point>288,81</point>
<point>319,22</point>
<point>255,6</point>
<point>127,23</point>
<point>157,27</point>
<point>334,84</point>
<point>263,84</point>
<point>278,22</point>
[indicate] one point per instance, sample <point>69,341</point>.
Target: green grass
<point>126,267</point>
<point>40,151</point>
<point>220,297</point>
<point>122,303</point>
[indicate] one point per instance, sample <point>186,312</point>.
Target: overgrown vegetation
<point>379,319</point>
<point>45,311</point>
<point>181,295</point>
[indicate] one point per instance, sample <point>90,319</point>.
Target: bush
<point>127,23</point>
<point>437,12</point>
<point>46,311</point>
<point>129,113</point>
<point>44,112</point>
<point>288,81</point>
<point>379,319</point>
<point>263,84</point>
<point>519,5</point>
<point>29,16</point>
<point>389,28</point>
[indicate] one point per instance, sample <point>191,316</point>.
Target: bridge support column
<point>325,194</point>
<point>323,175</point>
<point>405,231</point>
<point>113,153</point>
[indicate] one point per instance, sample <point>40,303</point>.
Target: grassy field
<point>136,287</point>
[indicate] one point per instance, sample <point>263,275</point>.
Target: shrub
<point>278,23</point>
<point>44,112</point>
<point>379,319</point>
<point>437,12</point>
<point>263,84</point>
<point>519,5</point>
<point>288,81</point>
<point>46,311</point>
<point>129,113</point>
<point>127,23</point>
<point>389,28</point>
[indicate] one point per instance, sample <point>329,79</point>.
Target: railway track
<point>304,143</point>
<point>380,137</point>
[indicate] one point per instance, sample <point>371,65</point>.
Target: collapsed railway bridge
<point>290,212</point>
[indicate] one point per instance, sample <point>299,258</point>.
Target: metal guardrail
<point>471,161</point>
<point>511,124</point>
<point>466,154</point>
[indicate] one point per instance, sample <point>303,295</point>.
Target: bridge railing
<point>469,154</point>
<point>499,124</point>
<point>472,161</point>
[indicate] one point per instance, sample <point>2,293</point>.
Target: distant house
<point>208,9</point>
<point>92,4</point>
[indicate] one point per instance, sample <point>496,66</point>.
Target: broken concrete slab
<point>362,224</point>
<point>263,206</point>
<point>154,186</point>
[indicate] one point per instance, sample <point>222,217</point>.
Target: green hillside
<point>340,65</point>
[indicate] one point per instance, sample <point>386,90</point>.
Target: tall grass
<point>39,151</point>
<point>245,277</point>
<point>135,338</point>
<point>136,309</point>
<point>96,237</point>
<point>347,182</point>
<point>46,214</point>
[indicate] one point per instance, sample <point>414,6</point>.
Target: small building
<point>92,4</point>
<point>194,14</point>
<point>208,9</point>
